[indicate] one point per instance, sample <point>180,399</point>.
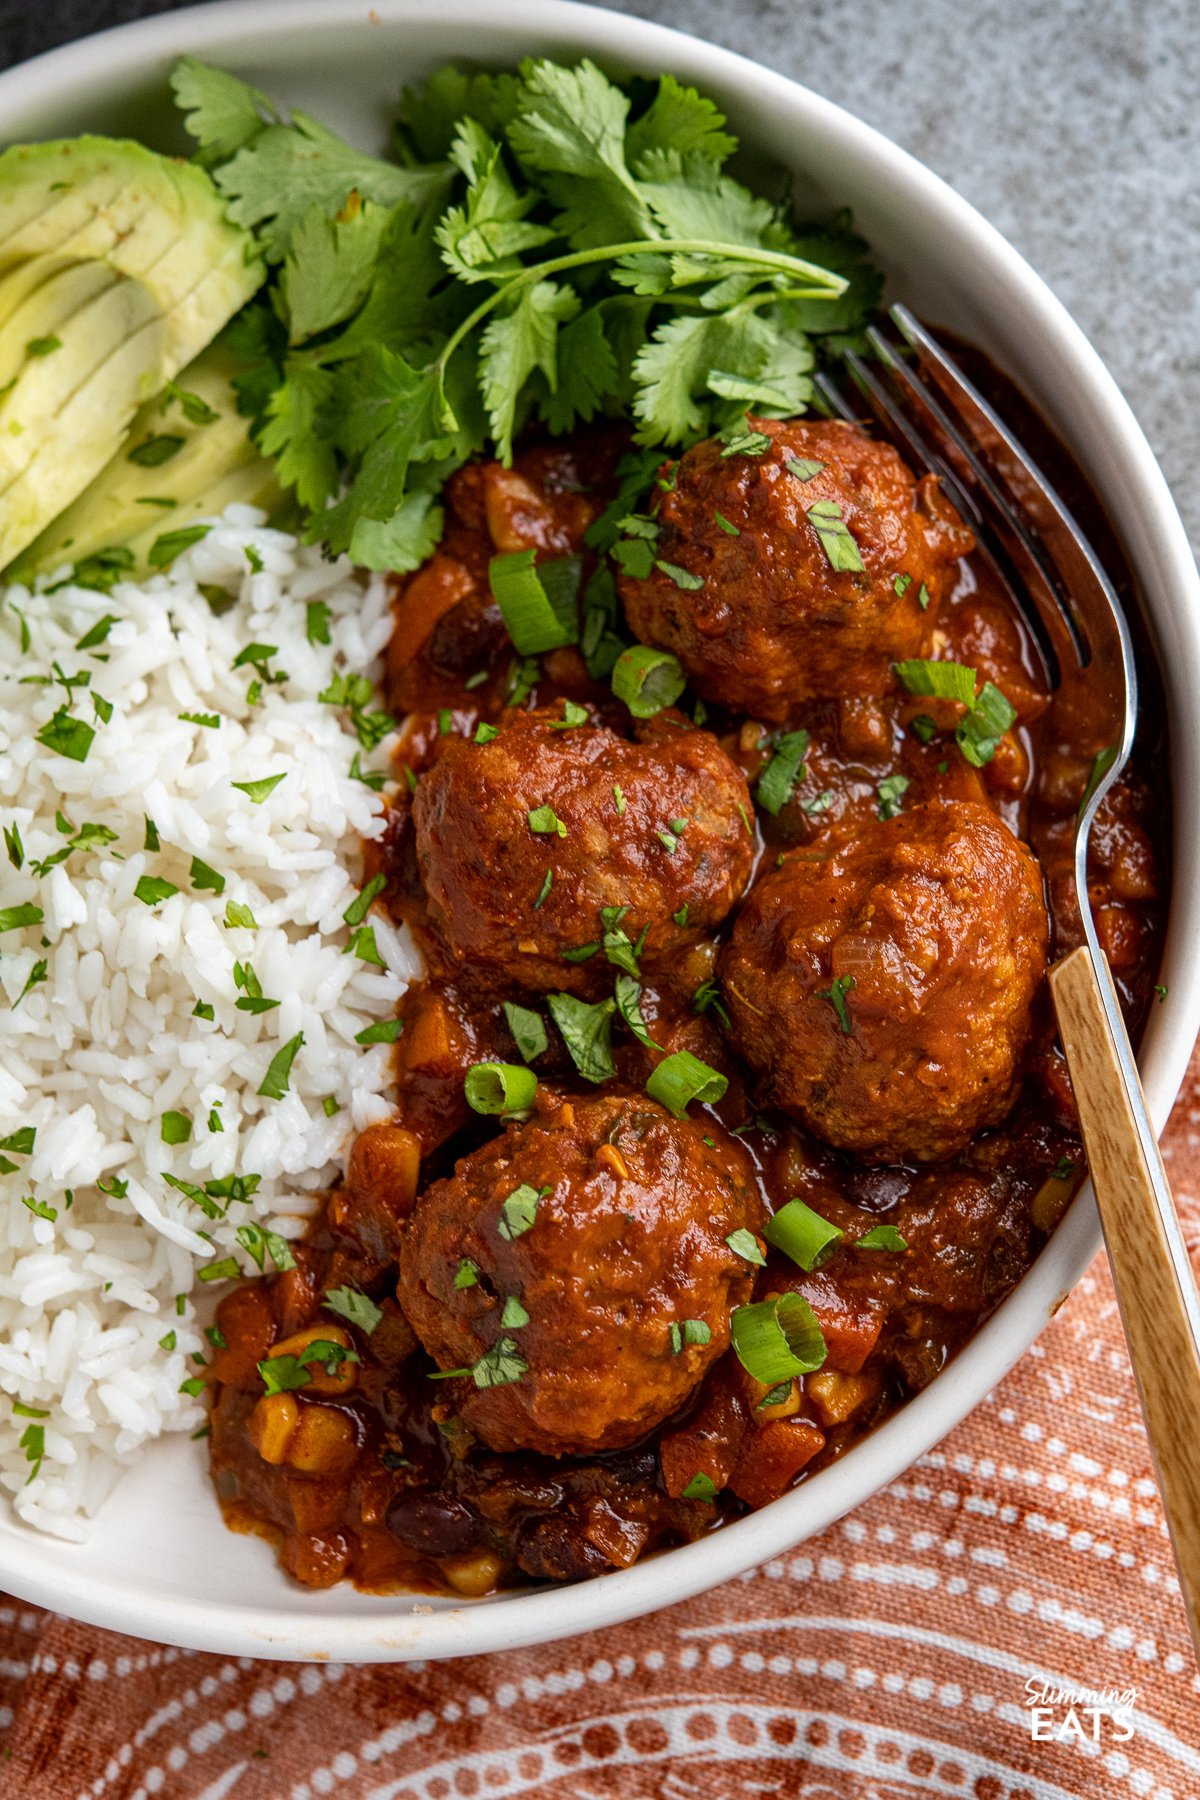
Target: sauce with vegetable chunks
<point>369,1470</point>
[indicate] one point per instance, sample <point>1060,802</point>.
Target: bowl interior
<point>159,1561</point>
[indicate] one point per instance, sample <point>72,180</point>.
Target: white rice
<point>95,1054</point>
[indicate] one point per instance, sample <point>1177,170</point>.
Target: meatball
<point>883,987</point>
<point>777,622</point>
<point>524,840</point>
<point>570,1255</point>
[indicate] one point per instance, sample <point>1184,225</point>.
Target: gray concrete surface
<point>1074,126</point>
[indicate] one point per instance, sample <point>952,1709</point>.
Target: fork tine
<point>1030,494</point>
<point>1040,592</point>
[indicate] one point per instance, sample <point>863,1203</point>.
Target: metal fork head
<point>924,403</point>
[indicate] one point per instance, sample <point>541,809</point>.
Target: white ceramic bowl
<point>159,1562</point>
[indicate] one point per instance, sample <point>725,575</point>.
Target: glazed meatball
<point>775,623</point>
<point>562,1253</point>
<point>883,988</point>
<point>521,841</point>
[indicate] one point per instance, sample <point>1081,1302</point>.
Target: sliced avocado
<point>117,267</point>
<point>187,455</point>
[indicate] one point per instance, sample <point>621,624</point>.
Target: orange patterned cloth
<point>905,1652</point>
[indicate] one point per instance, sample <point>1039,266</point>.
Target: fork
<point>924,403</point>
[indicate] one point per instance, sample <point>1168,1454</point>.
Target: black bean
<point>434,1524</point>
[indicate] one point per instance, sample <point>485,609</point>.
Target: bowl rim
<point>40,1570</point>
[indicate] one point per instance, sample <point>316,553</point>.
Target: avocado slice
<point>188,455</point>
<point>117,267</point>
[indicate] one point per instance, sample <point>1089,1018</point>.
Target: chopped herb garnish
<point>700,1487</point>
<point>619,800</point>
<point>781,774</point>
<point>923,597</point>
<point>881,1237</point>
<point>499,1366</point>
<point>258,790</point>
<point>544,890</point>
<point>528,1029</point>
<point>171,544</point>
<point>152,452</point>
<point>573,716</point>
<point>70,737</point>
<point>151,890</point>
<point>354,1306</point>
<point>587,1032</point>
<point>275,1081</point>
<point>519,1211</point>
<point>923,727</point>
<point>978,734</point>
<point>239,916</point>
<point>803,467</point>
<point>210,721</point>
<point>203,878</point>
<point>485,733</point>
<point>1160,991</point>
<point>707,998</point>
<point>254,558</point>
<point>545,820</point>
<point>176,1128</point>
<point>514,1315</point>
<point>628,995</point>
<point>724,525</point>
<point>91,640</point>
<point>284,1374</point>
<point>316,620</point>
<point>743,1243</point>
<point>938,680</point>
<point>467,1274</point>
<point>14,846</point>
<point>362,944</point>
<point>385,1031</point>
<point>681,917</point>
<point>329,1106</point>
<point>901,585</point>
<point>36,976</point>
<point>40,1208</point>
<point>370,778</point>
<point>836,995</point>
<point>43,346</point>
<point>891,792</point>
<point>691,1331</point>
<point>360,906</point>
<point>825,517</point>
<point>259,1243</point>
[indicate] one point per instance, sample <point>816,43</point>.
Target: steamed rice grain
<point>104,1001</point>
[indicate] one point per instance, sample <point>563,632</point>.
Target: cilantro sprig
<point>546,244</point>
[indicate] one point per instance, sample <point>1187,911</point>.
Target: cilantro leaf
<point>222,113</point>
<point>514,345</point>
<point>328,268</point>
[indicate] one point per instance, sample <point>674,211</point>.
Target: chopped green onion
<point>496,1087</point>
<point>647,680</point>
<point>938,680</point>
<point>587,1033</point>
<point>776,1340</point>
<point>802,1234</point>
<point>785,768</point>
<point>682,1078</point>
<point>538,605</point>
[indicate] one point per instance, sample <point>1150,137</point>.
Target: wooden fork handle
<point>1155,1287</point>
